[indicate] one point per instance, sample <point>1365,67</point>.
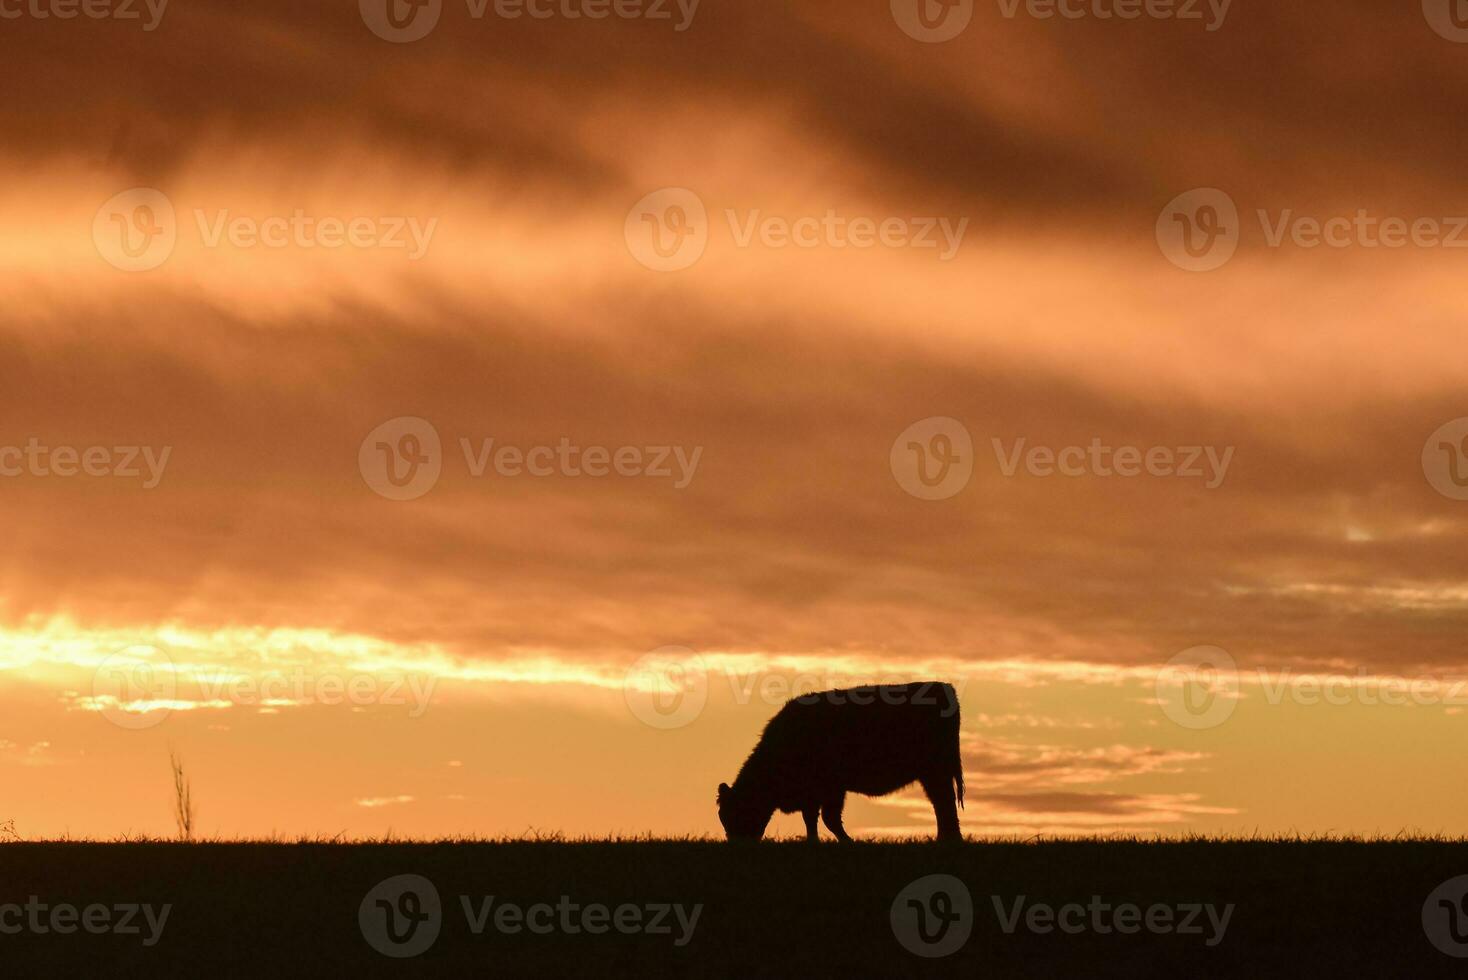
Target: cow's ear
<point>723,791</point>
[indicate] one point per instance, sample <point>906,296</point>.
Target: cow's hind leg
<point>940,793</point>
<point>831,814</point>
<point>809,813</point>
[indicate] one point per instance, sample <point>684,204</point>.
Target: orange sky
<point>345,232</point>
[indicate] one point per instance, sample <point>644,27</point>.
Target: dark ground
<point>1302,908</point>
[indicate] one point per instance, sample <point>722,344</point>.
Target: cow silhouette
<point>870,740</point>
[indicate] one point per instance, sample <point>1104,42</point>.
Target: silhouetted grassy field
<point>773,909</point>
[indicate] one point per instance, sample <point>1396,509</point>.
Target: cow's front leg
<point>831,814</point>
<point>810,813</point>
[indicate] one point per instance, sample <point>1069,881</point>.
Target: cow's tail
<point>955,763</point>
<point>958,779</point>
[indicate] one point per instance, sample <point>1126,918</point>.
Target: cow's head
<point>743,818</point>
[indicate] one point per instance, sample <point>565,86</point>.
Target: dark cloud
<point>793,372</point>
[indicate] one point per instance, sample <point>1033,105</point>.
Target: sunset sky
<point>258,253</point>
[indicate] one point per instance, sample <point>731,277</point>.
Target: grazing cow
<point>869,740</point>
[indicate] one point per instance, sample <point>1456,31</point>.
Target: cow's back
<point>871,740</point>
